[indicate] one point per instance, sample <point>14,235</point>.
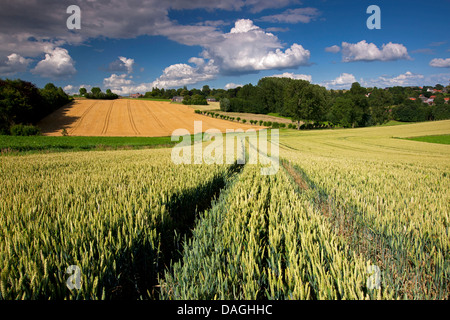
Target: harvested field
<point>128,118</point>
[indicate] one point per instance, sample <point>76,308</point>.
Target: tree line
<point>311,103</point>
<point>96,93</point>
<point>22,105</point>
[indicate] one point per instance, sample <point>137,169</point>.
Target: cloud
<point>277,29</point>
<point>405,79</point>
<point>245,49</point>
<point>181,74</point>
<point>56,64</point>
<point>28,28</point>
<point>197,61</point>
<point>117,81</point>
<point>345,80</point>
<point>70,89</point>
<point>248,48</point>
<point>294,76</point>
<point>438,44</point>
<point>333,49</point>
<point>13,63</point>
<point>440,63</point>
<point>424,50</point>
<point>304,15</point>
<point>176,75</point>
<point>28,34</point>
<point>363,51</point>
<point>122,64</point>
<point>260,5</point>
<point>232,85</point>
<point>433,79</point>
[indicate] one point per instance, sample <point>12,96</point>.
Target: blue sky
<point>133,46</point>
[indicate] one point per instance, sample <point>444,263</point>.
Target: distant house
<point>447,100</point>
<point>136,95</point>
<point>413,99</point>
<point>211,99</point>
<point>177,99</point>
<point>423,98</point>
<point>429,101</point>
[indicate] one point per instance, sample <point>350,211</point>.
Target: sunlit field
<point>350,214</point>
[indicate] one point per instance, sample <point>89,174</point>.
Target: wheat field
<point>344,203</point>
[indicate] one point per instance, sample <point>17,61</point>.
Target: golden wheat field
<point>128,118</point>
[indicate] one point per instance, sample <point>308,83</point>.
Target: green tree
<point>344,112</point>
<point>96,91</point>
<point>225,104</point>
<point>380,101</point>
<point>360,114</point>
<point>83,91</point>
<point>206,91</point>
<point>305,101</point>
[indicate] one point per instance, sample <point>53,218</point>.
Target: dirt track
<point>127,117</point>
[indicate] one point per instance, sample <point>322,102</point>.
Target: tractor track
<point>80,119</point>
<point>154,117</point>
<point>107,118</point>
<point>130,116</point>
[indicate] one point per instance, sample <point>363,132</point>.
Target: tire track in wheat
<point>80,119</point>
<point>108,116</point>
<point>130,116</point>
<point>154,117</point>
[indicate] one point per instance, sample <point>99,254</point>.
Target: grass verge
<point>34,144</point>
<point>442,139</point>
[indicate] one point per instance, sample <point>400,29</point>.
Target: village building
<point>177,99</point>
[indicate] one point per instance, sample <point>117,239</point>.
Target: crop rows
<point>393,214</point>
<point>263,239</point>
<point>116,215</point>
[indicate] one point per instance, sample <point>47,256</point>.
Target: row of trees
<point>308,102</point>
<point>312,103</point>
<point>96,93</point>
<point>416,111</point>
<point>21,102</point>
<point>196,99</point>
<point>184,92</point>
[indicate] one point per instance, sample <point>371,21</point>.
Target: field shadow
<point>58,120</point>
<point>142,262</point>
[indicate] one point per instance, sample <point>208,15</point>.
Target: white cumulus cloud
<point>333,49</point>
<point>306,77</point>
<point>345,80</point>
<point>57,64</point>
<point>122,64</point>
<point>248,48</point>
<point>117,81</point>
<point>12,64</point>
<point>181,74</point>
<point>440,63</point>
<point>405,79</point>
<point>363,51</point>
<point>232,85</point>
